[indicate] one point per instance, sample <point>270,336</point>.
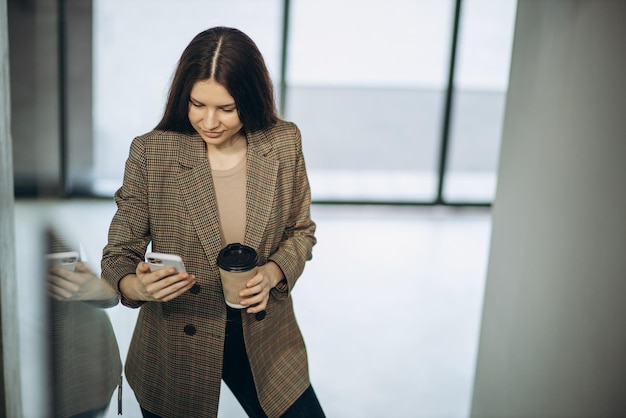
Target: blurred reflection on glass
<point>85,363</point>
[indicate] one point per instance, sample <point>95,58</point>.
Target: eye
<point>195,104</point>
<point>229,109</point>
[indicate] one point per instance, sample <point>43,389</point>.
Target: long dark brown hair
<point>233,60</point>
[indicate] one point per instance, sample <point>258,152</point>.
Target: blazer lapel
<point>262,175</point>
<point>196,187</point>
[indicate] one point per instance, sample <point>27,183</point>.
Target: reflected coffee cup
<point>237,264</point>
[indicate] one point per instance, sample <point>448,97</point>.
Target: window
<point>481,82</point>
<point>137,45</point>
<point>366,83</point>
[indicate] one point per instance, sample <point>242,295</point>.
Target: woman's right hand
<point>157,286</point>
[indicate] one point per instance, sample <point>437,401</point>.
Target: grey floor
<point>389,307</point>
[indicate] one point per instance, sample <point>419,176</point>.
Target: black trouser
<point>238,377</point>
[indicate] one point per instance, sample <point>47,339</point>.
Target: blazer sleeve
<point>129,233</point>
<point>296,247</point>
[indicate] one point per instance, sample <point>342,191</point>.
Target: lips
<point>213,134</point>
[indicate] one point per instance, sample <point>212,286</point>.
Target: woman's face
<point>213,114</point>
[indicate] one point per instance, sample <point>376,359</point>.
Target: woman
<point>220,167</point>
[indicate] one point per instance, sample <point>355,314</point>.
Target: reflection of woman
<point>84,355</point>
<point>219,168</point>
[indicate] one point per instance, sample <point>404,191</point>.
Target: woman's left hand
<point>257,291</point>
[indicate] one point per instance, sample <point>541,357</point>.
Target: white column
<point>553,337</point>
<point>10,379</point>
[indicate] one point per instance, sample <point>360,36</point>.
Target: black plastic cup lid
<point>237,257</point>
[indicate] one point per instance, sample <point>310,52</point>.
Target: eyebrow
<point>191,99</point>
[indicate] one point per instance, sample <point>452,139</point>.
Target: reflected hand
<point>80,284</point>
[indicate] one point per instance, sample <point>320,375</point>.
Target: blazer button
<point>190,329</point>
<point>260,315</point>
<point>195,289</point>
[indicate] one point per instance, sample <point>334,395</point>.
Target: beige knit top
<point>230,193</point>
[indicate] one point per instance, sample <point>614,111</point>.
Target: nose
<point>210,120</point>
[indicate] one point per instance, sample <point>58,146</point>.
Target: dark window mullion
<point>282,101</point>
<point>447,114</point>
<point>62,80</point>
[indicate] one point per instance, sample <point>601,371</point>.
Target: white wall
<point>553,338</point>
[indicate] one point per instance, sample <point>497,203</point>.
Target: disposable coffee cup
<point>237,264</point>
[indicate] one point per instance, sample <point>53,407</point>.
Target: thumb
<point>81,267</point>
<point>142,268</point>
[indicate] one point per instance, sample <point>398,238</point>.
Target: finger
<point>249,292</point>
<point>255,281</point>
<point>68,276</point>
<point>63,283</point>
<point>167,281</point>
<point>142,268</point>
<point>255,299</point>
<point>171,282</point>
<point>180,292</point>
<point>159,276</point>
<point>263,286</point>
<point>174,290</point>
<point>82,268</point>
<point>162,272</point>
<point>59,271</point>
<point>58,293</point>
<point>55,296</point>
<point>256,308</point>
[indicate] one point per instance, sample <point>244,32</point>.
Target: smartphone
<point>158,261</point>
<point>66,260</point>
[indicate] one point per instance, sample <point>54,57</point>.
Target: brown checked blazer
<point>174,363</point>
